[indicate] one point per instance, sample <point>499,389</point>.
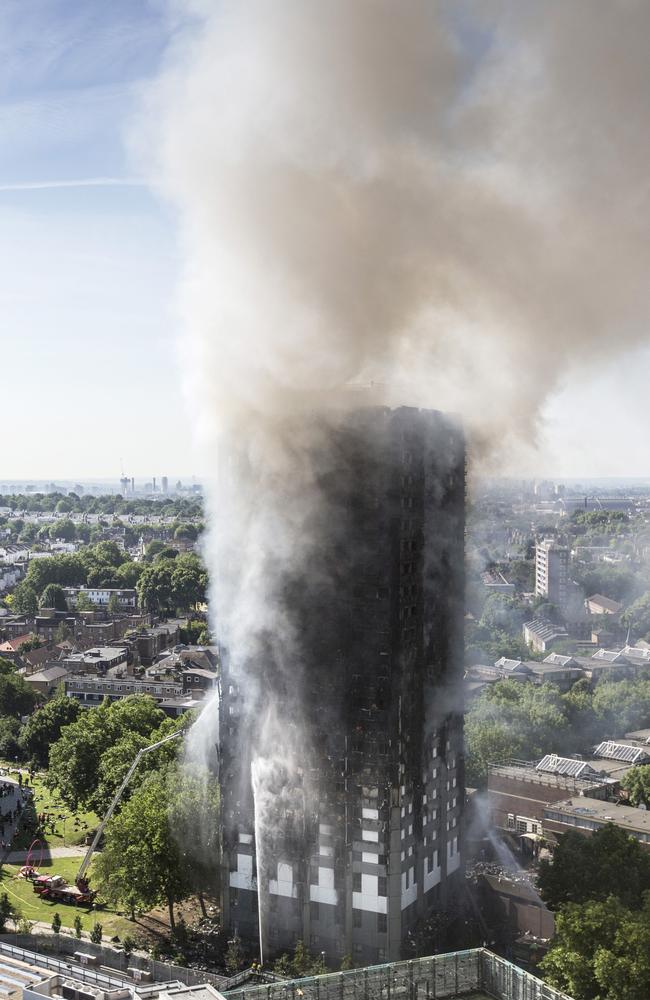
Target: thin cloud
<point>47,185</point>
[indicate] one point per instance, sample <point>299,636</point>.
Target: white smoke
<point>447,200</point>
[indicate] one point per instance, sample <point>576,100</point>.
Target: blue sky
<point>89,345</point>
<point>89,262</point>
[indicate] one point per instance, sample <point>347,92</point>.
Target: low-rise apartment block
<point>100,596</point>
<point>520,791</point>
<point>92,690</point>
<point>586,815</point>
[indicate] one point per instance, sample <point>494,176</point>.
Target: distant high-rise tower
<point>164,484</point>
<point>552,572</point>
<point>372,841</point>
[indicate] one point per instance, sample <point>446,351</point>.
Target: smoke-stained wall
<point>355,735</point>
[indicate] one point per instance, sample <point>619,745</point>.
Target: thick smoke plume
<point>445,200</point>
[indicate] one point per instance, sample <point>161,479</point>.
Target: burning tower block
<point>361,832</point>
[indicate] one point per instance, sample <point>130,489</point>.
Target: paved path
<point>18,857</point>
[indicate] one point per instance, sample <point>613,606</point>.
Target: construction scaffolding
<point>470,974</point>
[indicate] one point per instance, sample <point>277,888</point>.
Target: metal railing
<point>452,975</point>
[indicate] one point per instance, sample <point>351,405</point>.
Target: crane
<point>81,881</point>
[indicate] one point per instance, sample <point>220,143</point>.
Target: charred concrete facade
<point>368,842</point>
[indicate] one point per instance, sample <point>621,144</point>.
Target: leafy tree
<point>7,912</point>
<point>637,783</point>
<point>10,745</point>
<point>62,633</point>
<point>155,588</point>
<point>548,611</point>
<point>64,530</point>
<point>44,727</point>
<point>142,863</point>
<point>96,933</point>
<point>16,696</point>
<point>130,537</point>
<point>28,535</point>
<point>56,922</point>
<point>117,759</point>
<point>83,532</point>
<point>83,602</point>
<point>25,600</point>
<point>102,575</point>
<point>31,642</point>
<point>113,605</point>
<point>194,816</point>
<point>189,581</point>
<point>78,926</point>
<point>502,612</point>
<point>622,706</point>
<point>601,951</point>
<point>186,532</point>
<point>168,553</point>
<point>128,574</point>
<point>612,581</point>
<point>488,742</point>
<point>154,548</point>
<point>190,632</point>
<point>128,944</point>
<point>67,570</point>
<point>302,964</point>
<point>235,957</point>
<point>592,868</point>
<point>75,757</point>
<point>54,597</point>
<point>64,506</point>
<point>637,616</point>
<point>513,719</point>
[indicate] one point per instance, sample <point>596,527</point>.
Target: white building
<point>552,572</point>
<point>101,596</point>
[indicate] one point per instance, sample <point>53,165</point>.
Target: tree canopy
<point>54,597</point>
<point>510,719</point>
<point>43,728</point>
<point>143,863</point>
<point>75,759</point>
<point>637,783</point>
<point>168,584</point>
<point>16,696</point>
<point>610,862</point>
<point>601,951</point>
<point>637,617</point>
<point>25,600</point>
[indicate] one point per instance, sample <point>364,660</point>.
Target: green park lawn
<point>74,824</point>
<point>22,896</point>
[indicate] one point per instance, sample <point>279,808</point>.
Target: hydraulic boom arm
<point>116,798</point>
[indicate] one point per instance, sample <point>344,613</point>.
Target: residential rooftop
<point>582,778</point>
<point>594,813</point>
<point>613,607</point>
<point>626,752</point>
